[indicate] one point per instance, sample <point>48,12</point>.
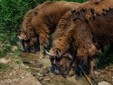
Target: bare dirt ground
<point>37,72</point>
<point>15,73</point>
<point>40,69</point>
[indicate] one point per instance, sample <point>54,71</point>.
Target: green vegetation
<point>11,15</point>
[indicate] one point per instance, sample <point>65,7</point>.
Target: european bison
<point>92,23</point>
<point>62,65</point>
<point>43,20</point>
<point>63,51</point>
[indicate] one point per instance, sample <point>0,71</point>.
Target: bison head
<point>62,65</point>
<point>29,42</point>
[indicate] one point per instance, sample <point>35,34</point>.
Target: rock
<point>4,60</point>
<point>40,78</point>
<point>104,83</point>
<point>40,75</point>
<point>14,48</point>
<point>47,79</point>
<point>96,73</point>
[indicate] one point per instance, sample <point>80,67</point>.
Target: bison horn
<point>49,53</point>
<point>69,56</point>
<point>21,38</point>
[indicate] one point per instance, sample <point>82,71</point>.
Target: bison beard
<point>43,20</point>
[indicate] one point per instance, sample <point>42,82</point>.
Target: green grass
<point>105,58</point>
<point>3,67</point>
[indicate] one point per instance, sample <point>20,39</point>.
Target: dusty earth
<point>30,70</point>
<point>41,70</point>
<point>15,73</point>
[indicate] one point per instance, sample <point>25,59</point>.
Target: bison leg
<point>41,55</point>
<point>43,39</point>
<point>92,64</point>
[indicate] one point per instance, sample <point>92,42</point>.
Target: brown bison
<point>43,20</point>
<point>62,46</point>
<point>62,65</point>
<point>92,23</point>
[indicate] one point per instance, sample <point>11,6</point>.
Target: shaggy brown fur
<point>100,25</point>
<point>62,44</point>
<point>45,18</point>
<point>62,25</point>
<point>92,20</point>
<point>62,49</point>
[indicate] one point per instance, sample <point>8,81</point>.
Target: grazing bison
<point>93,22</point>
<point>63,51</point>
<point>62,65</point>
<point>43,20</point>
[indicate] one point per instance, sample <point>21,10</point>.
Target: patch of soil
<point>37,72</point>
<point>105,74</point>
<point>14,74</point>
<point>41,70</point>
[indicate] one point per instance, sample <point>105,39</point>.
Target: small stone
<point>14,48</point>
<point>40,78</point>
<point>104,83</point>
<point>23,77</point>
<point>96,73</point>
<point>39,75</point>
<point>47,79</point>
<point>106,68</point>
<point>4,60</point>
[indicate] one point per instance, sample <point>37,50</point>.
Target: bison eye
<point>35,13</point>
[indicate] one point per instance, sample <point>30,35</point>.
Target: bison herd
<point>80,30</point>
